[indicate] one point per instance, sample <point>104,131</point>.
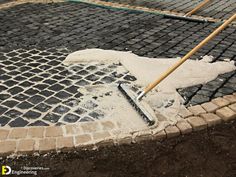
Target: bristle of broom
<point>137,106</point>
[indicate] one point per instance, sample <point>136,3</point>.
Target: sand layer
<point>164,98</point>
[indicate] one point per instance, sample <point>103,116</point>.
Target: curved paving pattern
<point>37,90</point>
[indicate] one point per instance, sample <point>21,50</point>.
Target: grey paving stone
<point>97,114</point>
<point>36,99</point>
<point>10,103</point>
<point>42,107</point>
<point>61,109</point>
<point>13,113</point>
<point>51,117</point>
<point>52,100</point>
<point>4,120</point>
<point>18,122</point>
<point>62,95</point>
<point>71,118</point>
<point>32,115</point>
<point>25,105</point>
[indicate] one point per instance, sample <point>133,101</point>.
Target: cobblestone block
<point>211,119</point>
<point>65,142</point>
<point>185,113</point>
<point>226,113</point>
<point>233,107</point>
<point>7,147</point>
<point>196,110</point>
<point>124,138</point>
<point>184,127</point>
<point>142,136</point>
<point>172,131</point>
<point>210,107</point>
<point>25,145</point>
<point>101,135</point>
<point>159,135</point>
<point>36,132</point>
<point>197,123</point>
<point>221,102</point>
<point>3,134</point>
<point>80,140</point>
<point>72,129</point>
<point>17,133</point>
<point>230,98</point>
<point>47,144</point>
<point>53,131</point>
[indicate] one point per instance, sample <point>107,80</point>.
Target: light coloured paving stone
<point>82,139</point>
<point>184,127</point>
<point>26,145</point>
<point>103,139</point>
<point>101,135</point>
<point>234,94</point>
<point>221,102</point>
<point>197,123</point>
<point>36,132</point>
<point>172,131</point>
<point>105,142</point>
<point>7,147</point>
<point>233,107</point>
<point>184,113</point>
<point>210,107</point>
<point>65,142</point>
<point>3,134</point>
<point>124,139</point>
<point>226,113</point>
<point>47,144</point>
<point>211,119</point>
<point>142,135</point>
<point>91,127</point>
<point>72,129</point>
<point>54,131</point>
<point>230,98</point>
<point>107,125</point>
<point>159,135</point>
<point>17,133</point>
<point>196,110</point>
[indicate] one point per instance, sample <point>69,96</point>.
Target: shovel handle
<point>197,8</point>
<point>189,54</point>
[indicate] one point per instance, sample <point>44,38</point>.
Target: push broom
<point>136,100</point>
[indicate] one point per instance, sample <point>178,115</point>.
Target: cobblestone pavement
<point>216,9</point>
<point>36,89</point>
<point>76,26</point>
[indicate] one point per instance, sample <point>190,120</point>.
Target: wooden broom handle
<point>189,54</point>
<point>197,8</point>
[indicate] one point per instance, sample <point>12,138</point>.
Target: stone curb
<point>96,134</point>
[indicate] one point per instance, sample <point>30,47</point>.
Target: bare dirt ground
<point>209,153</point>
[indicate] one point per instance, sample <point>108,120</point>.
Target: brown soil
<point>209,153</point>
